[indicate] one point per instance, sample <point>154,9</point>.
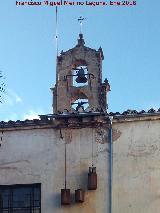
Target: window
<point>20,198</point>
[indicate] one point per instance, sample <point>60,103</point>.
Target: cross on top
<point>80,20</point>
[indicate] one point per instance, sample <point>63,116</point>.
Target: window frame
<point>10,208</point>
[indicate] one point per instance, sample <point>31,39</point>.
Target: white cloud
<point>32,115</point>
<point>12,98</point>
<point>18,99</point>
<point>13,117</point>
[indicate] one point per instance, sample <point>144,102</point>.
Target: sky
<point>128,35</point>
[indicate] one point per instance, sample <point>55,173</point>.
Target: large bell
<point>81,76</point>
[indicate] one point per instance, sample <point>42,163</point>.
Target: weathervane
<point>80,20</point>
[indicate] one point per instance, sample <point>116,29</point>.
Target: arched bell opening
<point>80,75</point>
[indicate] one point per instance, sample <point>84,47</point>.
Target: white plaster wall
<point>37,156</point>
<point>136,167</point>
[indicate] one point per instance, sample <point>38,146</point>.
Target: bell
<point>65,197</point>
<point>81,76</point>
<point>92,178</point>
<point>80,107</point>
<point>79,195</point>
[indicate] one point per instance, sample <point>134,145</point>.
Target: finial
<point>81,40</point>
<point>80,36</point>
<point>101,53</point>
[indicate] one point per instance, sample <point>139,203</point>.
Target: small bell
<point>79,195</point>
<point>92,178</point>
<point>80,107</point>
<point>81,76</point>
<point>65,197</point>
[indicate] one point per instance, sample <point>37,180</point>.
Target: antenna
<point>56,40</point>
<point>56,36</point>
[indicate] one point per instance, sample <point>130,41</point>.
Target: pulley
<point>81,76</point>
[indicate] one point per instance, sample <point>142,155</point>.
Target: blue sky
<point>129,36</point>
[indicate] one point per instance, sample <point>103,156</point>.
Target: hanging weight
<point>92,178</point>
<point>79,195</point>
<point>65,197</point>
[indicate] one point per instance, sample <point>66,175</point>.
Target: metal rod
<point>56,38</point>
<point>87,74</point>
<point>65,161</point>
<point>65,167</point>
<point>92,149</point>
<point>110,164</point>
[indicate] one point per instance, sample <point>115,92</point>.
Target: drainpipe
<point>110,163</point>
